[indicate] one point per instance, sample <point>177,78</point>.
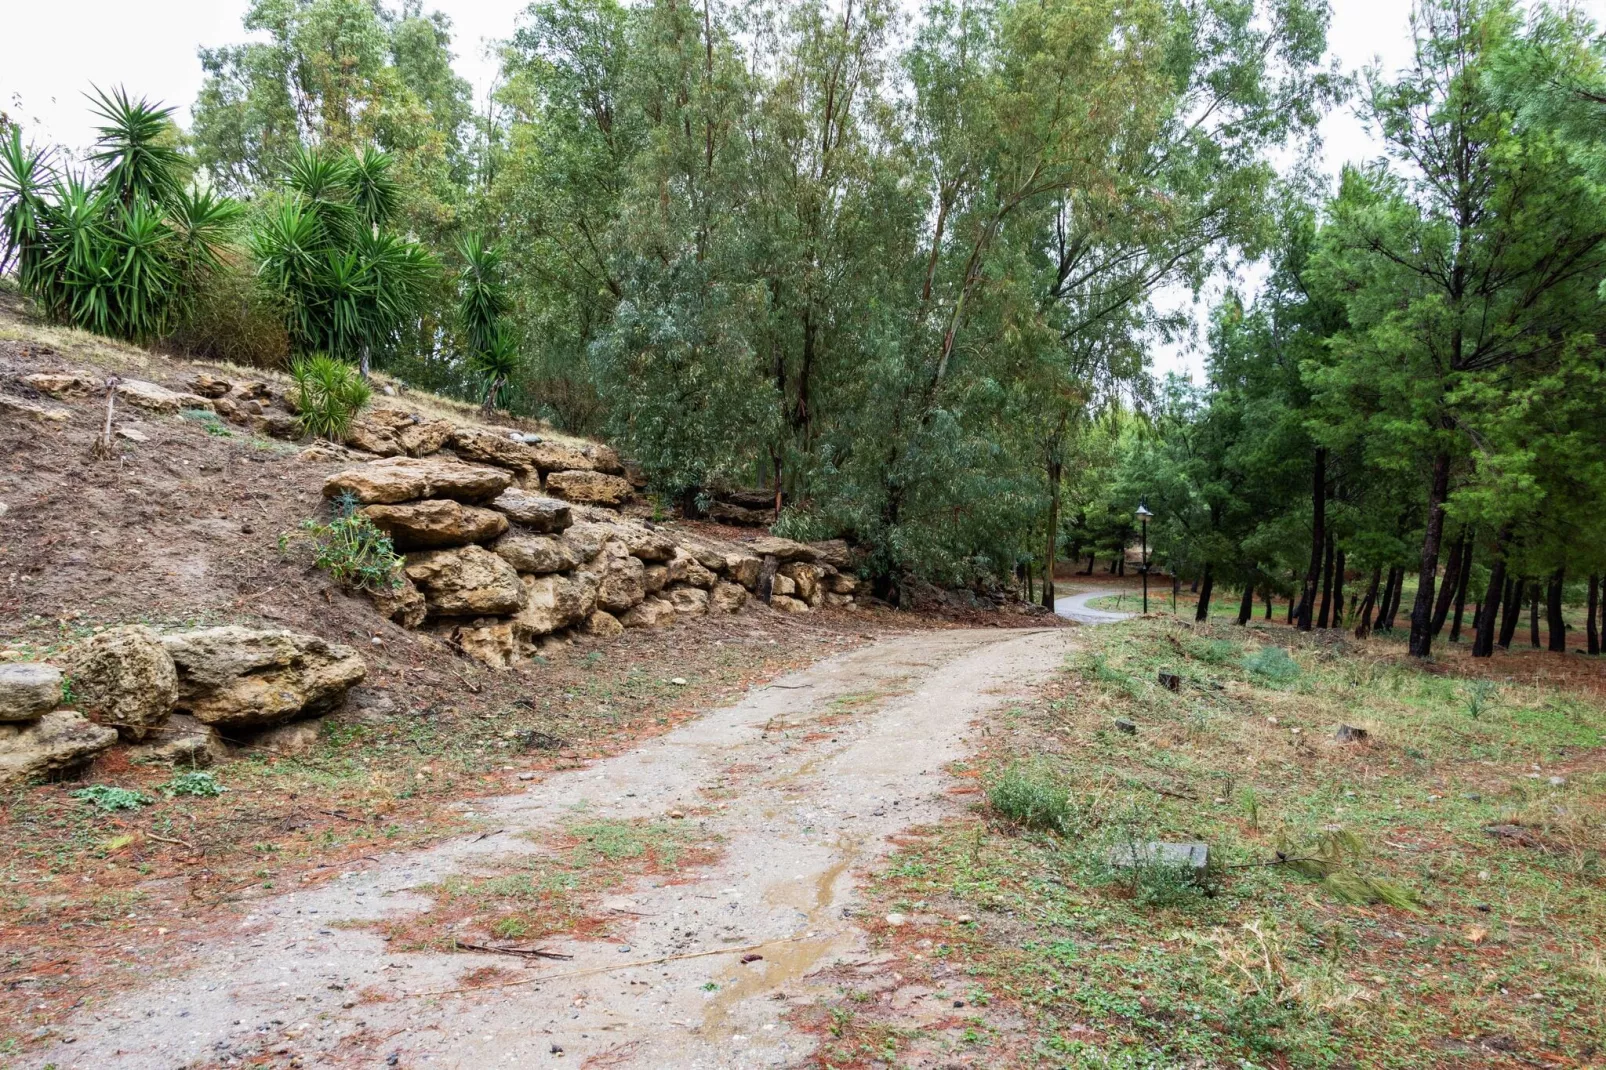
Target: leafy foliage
<point>197,783</point>
<point>1031,798</point>
<point>329,394</point>
<point>352,550</point>
<point>108,800</point>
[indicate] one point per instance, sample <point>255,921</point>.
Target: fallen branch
<point>347,862</point>
<point>169,839</point>
<point>521,952</point>
<point>609,969</point>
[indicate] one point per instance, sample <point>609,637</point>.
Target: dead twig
<point>102,447</point>
<point>348,862</point>
<point>520,952</point>
<point>171,839</point>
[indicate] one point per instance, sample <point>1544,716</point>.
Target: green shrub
<point>1272,663</point>
<point>108,799</point>
<point>196,783</point>
<point>329,393</point>
<point>352,550</point>
<point>1031,798</point>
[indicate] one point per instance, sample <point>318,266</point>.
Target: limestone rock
<point>237,677</point>
<point>548,516</point>
<point>63,384</point>
<point>469,581</point>
<point>124,678</point>
<point>788,604</point>
<point>274,424</point>
<point>840,601</point>
<point>727,597</point>
<point>553,602</point>
<point>375,430</point>
<point>18,407</point>
<point>475,444</point>
<point>288,739</point>
<point>842,583</point>
<point>689,601</point>
<point>652,613</point>
<point>60,742</point>
<point>603,625</point>
<point>679,566</point>
<point>28,689</point>
<point>537,554</point>
<point>783,586</point>
<point>556,457</point>
<point>656,578</point>
<point>183,741</point>
<point>403,479</point>
<point>605,459</point>
<point>403,603</point>
<point>588,538</point>
<point>425,437</point>
<point>743,569</point>
<point>489,641</point>
<point>806,578</point>
<point>208,385</point>
<point>698,576</point>
<point>781,549</point>
<point>251,390</point>
<point>145,395</point>
<point>589,488</point>
<point>647,543</point>
<point>833,552</point>
<point>623,584</point>
<point>436,523</point>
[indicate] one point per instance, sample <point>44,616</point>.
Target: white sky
<point>151,49</point>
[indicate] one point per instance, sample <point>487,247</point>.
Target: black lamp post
<point>1143,516</point>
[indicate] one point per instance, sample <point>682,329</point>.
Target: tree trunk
<point>1246,608</point>
<point>1533,614</point>
<point>1422,608</point>
<point>1318,538</point>
<point>1327,584</point>
<point>1483,640</point>
<point>1510,611</point>
<point>1203,612</point>
<point>1554,621</point>
<point>1053,533</point>
<point>1338,590</point>
<point>1382,623</point>
<point>1267,593</point>
<point>1364,627</point>
<point>1026,570</point>
<point>1461,589</point>
<point>1452,580</point>
<point>1591,628</point>
<point>1092,559</point>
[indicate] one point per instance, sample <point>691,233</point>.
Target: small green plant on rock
<point>351,549</point>
<point>329,393</point>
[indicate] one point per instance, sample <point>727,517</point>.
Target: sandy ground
<point>811,787</point>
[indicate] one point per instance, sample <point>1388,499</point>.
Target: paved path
<point>1074,606</point>
<point>803,783</point>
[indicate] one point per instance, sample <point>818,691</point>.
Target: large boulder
<point>403,479</point>
<point>124,678</point>
<point>653,613</point>
<point>375,431</point>
<point>743,569</point>
<point>698,576</point>
<point>589,488</point>
<point>781,549</point>
<point>183,741</point>
<point>488,447</point>
<point>27,690</point>
<point>433,524</point>
<point>788,604</point>
<point>833,552</point>
<point>602,625</point>
<point>806,578</point>
<point>605,459</point>
<point>63,384</point>
<point>404,603</point>
<point>842,583</point>
<point>655,578</point>
<point>466,582</point>
<point>537,554</point>
<point>145,395</point>
<point>727,597</point>
<point>208,385</point>
<point>547,516</point>
<point>649,544</point>
<point>554,602</point>
<point>689,601</point>
<point>556,457</point>
<point>623,583</point>
<point>60,742</point>
<point>236,677</point>
<point>588,538</point>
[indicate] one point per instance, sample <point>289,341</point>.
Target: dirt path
<point>1074,606</point>
<point>813,773</point>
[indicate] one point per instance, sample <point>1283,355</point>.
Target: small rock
<point>680,681</point>
<point>526,776</point>
<point>895,920</point>
<point>1187,856</point>
<point>1557,781</point>
<point>676,815</point>
<point>1350,734</point>
<point>1124,725</point>
<point>1170,681</point>
<point>27,690</point>
<point>133,434</point>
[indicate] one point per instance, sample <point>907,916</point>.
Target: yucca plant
<point>329,393</point>
<point>490,346</point>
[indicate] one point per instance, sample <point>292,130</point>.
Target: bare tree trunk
<point>1533,614</point>
<point>1483,642</point>
<point>1364,627</point>
<point>1318,538</point>
<point>1246,608</point>
<point>1554,620</point>
<point>1338,590</point>
<point>1461,588</point>
<point>1053,533</point>
<point>1382,622</point>
<point>1267,593</point>
<point>1203,612</point>
<point>1422,608</point>
<point>1327,584</point>
<point>1452,580</point>
<point>1511,611</point>
<point>1592,628</point>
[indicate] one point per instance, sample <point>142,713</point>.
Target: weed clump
<point>198,784</point>
<point>1272,663</point>
<point>109,800</point>
<point>351,549</point>
<point>1031,798</point>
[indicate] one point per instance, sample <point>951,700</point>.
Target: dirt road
<point>1074,606</point>
<point>812,774</point>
